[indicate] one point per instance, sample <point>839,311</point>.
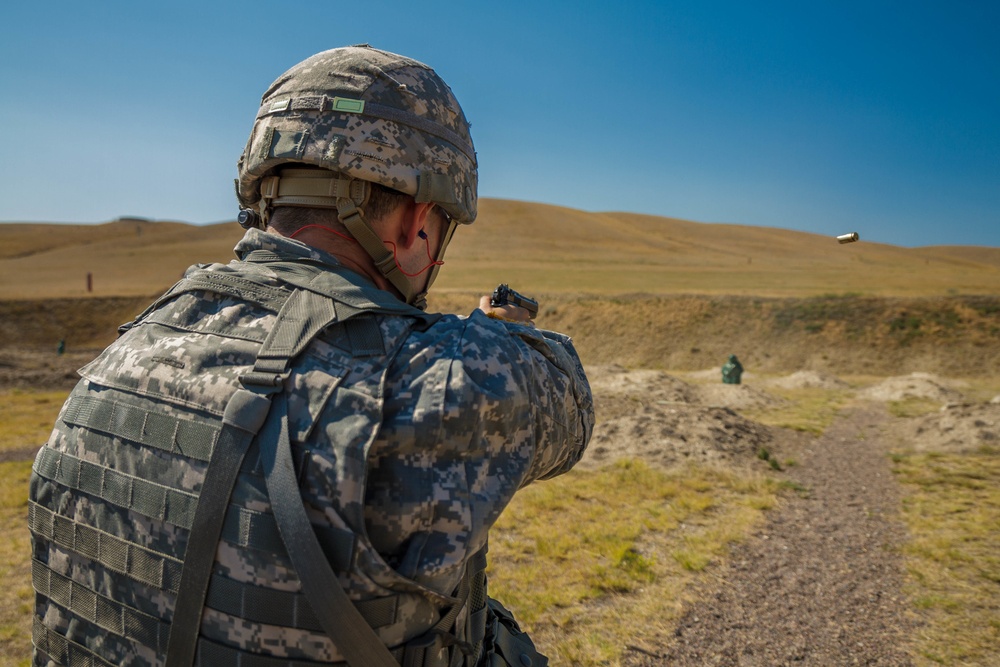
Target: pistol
<point>503,295</point>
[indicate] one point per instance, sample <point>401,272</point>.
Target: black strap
<point>244,414</point>
<point>298,321</point>
<point>306,312</point>
<point>285,608</point>
<point>340,619</point>
<point>301,317</point>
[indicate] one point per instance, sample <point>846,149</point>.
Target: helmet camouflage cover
<point>370,115</point>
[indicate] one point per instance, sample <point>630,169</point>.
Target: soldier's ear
<point>414,221</point>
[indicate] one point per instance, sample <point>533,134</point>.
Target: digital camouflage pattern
<point>370,114</point>
<point>411,434</point>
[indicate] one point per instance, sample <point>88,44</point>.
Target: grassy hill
<point>632,289</point>
<point>124,258</point>
<point>536,247</point>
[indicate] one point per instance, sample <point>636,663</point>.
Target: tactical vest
<point>168,522</point>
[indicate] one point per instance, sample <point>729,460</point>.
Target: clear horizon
<point>859,117</point>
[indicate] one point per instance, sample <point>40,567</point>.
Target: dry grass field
<point>638,290</point>
<point>640,295</point>
<point>538,247</point>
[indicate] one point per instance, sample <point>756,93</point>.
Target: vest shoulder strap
<point>302,316</point>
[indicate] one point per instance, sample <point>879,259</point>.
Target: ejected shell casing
<point>848,238</point>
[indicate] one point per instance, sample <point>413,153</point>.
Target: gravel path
<point>820,583</point>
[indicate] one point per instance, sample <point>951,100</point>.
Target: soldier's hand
<point>508,312</point>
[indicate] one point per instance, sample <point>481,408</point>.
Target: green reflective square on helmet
<point>348,105</point>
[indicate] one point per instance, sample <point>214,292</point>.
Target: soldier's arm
<point>544,369</point>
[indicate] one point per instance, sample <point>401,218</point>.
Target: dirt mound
<point>623,390</point>
<point>714,375</point>
<point>669,435</point>
<point>649,384</point>
<point>737,396</point>
<point>956,429</point>
<point>808,380</point>
<point>665,421</point>
<point>915,385</point>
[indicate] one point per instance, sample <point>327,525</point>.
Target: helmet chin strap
<point>421,298</point>
<point>316,188</point>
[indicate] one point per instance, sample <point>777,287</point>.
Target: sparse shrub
<point>691,560</point>
<point>905,322</point>
<point>794,486</point>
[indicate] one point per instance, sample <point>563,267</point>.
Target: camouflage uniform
<point>411,433</point>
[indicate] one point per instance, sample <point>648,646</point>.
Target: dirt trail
<point>820,583</point>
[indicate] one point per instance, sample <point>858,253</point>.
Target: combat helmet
<point>365,116</point>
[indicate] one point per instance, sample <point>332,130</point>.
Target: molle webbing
<point>147,498</point>
<point>300,319</point>
<point>243,527</point>
<point>234,441</point>
<point>189,438</point>
<point>102,611</point>
<point>61,650</point>
<point>118,555</point>
<point>258,530</point>
<point>211,654</point>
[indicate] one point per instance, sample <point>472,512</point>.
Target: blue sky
<point>878,117</point>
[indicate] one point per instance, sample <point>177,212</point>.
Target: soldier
<point>285,460</point>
